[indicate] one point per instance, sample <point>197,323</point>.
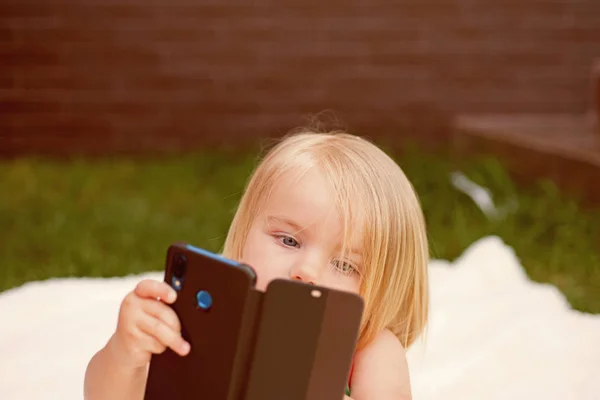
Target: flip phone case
<point>304,344</point>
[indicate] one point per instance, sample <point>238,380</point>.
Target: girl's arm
<point>381,371</point>
<point>105,379</point>
<point>145,326</point>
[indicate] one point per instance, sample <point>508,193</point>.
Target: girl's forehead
<point>309,201</point>
<point>307,195</point>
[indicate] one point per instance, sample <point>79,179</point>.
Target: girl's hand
<point>147,325</point>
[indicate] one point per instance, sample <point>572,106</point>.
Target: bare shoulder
<point>381,370</point>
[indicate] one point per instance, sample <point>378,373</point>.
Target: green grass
<point>117,216</point>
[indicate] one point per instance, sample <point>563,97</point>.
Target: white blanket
<point>493,334</point>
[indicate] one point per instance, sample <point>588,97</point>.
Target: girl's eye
<point>288,241</point>
<point>344,267</point>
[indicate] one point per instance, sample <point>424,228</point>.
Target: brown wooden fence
<point>130,75</point>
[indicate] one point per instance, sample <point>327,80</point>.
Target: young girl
<point>325,208</point>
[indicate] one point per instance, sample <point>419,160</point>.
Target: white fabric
<point>493,334</point>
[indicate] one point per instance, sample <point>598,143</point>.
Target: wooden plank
<point>564,148</point>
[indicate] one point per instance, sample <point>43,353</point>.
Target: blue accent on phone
<point>204,300</point>
<point>211,255</point>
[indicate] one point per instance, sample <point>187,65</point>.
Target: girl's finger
<point>151,344</point>
<point>151,289</point>
<point>164,334</point>
<point>163,312</point>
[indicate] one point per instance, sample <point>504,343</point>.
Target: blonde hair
<point>371,190</point>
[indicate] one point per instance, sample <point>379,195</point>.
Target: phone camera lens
<point>178,275</point>
<point>179,266</point>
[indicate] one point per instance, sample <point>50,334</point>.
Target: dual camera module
<point>179,269</point>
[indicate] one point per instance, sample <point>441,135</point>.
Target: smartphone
<point>305,342</point>
<point>217,307</point>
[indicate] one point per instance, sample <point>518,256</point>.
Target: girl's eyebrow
<point>353,251</point>
<point>284,220</point>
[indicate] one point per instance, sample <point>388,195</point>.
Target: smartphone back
<point>305,342</point>
<point>217,308</point>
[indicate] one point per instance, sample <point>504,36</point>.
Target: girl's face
<point>298,235</point>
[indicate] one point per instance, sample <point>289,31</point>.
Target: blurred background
<point>126,125</point>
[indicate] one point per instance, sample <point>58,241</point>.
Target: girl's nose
<point>306,273</point>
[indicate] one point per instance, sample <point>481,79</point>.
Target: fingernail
<point>185,347</point>
<point>171,297</point>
